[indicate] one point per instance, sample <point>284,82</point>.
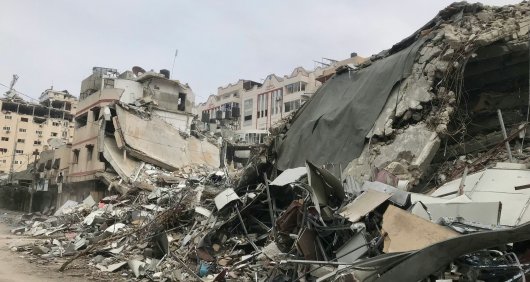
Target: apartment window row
<point>295,87</point>
<point>19,152</point>
<point>263,105</point>
<point>21,130</point>
<point>3,150</point>
<point>247,112</point>
<point>8,117</point>
<point>37,142</point>
<point>24,119</point>
<point>21,141</point>
<point>6,128</point>
<point>276,101</point>
<point>89,151</point>
<point>5,139</point>
<point>292,105</point>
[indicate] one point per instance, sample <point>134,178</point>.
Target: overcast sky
<point>57,42</point>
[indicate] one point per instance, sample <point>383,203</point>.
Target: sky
<point>57,42</point>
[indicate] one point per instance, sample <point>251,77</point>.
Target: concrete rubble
<point>432,196</point>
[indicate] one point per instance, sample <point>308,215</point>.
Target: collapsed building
<point>429,99</point>
<point>352,171</point>
<point>125,121</point>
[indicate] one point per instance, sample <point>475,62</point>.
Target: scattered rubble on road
<point>370,223</point>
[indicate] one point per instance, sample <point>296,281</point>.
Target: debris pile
<point>305,224</point>
<point>315,221</point>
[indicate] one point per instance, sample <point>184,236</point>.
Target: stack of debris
<point>309,224</point>
<point>456,88</point>
<point>306,224</point>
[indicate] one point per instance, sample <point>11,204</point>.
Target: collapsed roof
<point>441,85</point>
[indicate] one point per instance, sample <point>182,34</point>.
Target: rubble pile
<point>305,225</point>
<point>330,214</point>
<point>441,99</point>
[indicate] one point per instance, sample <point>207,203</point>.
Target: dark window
<point>76,156</point>
<point>24,119</point>
<point>81,120</point>
<point>182,102</point>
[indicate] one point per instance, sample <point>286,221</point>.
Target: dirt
<point>16,266</point>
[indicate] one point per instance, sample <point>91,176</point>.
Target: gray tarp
<point>332,126</point>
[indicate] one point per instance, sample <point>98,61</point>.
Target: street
<point>14,266</point>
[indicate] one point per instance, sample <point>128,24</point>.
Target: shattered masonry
<point>421,188</point>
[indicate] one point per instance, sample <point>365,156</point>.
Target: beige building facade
<point>261,105</point>
<point>26,127</point>
<point>166,99</point>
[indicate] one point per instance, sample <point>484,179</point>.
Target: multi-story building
<point>249,105</point>
<point>259,105</point>
<point>26,127</point>
<point>96,118</point>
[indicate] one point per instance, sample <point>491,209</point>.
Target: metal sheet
<point>289,176</point>
<point>353,249</point>
<point>364,204</point>
<point>479,212</point>
<point>398,197</point>
<point>225,197</point>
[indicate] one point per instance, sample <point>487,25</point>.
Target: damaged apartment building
<point>129,122</point>
<point>412,166</point>
<point>28,126</point>
<point>244,112</point>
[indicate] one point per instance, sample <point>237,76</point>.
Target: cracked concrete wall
<point>417,114</point>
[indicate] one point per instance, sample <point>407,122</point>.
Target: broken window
<point>54,134</point>
<point>75,156</point>
<point>182,102</point>
<point>108,83</point>
<point>39,120</point>
<point>24,119</point>
<point>247,108</point>
<point>81,120</point>
<point>295,87</point>
<point>48,165</point>
<point>56,123</point>
<point>56,164</point>
<point>95,113</point>
<point>90,151</point>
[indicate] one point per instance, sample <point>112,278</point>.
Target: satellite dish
<point>55,142</point>
<point>138,70</point>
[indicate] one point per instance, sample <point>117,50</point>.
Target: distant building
<point>26,127</point>
<point>249,105</point>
